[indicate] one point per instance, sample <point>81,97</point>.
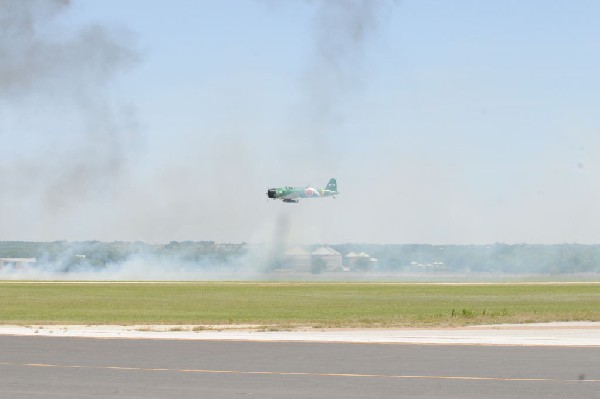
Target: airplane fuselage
<point>292,194</point>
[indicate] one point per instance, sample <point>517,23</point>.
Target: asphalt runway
<point>58,367</point>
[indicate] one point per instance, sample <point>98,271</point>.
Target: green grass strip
<point>296,304</point>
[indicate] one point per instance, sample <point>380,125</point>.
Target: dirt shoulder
<point>539,334</point>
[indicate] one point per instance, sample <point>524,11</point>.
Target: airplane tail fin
<point>332,185</point>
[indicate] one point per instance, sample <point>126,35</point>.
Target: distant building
<point>18,263</point>
<point>428,266</point>
<point>359,261</point>
<point>328,258</point>
<point>296,259</point>
<point>350,259</point>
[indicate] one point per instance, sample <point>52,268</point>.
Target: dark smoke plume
<point>334,76</point>
<point>343,28</point>
<point>63,139</point>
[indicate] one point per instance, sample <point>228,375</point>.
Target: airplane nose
<point>271,193</point>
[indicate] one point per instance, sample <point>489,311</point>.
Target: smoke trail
<point>342,30</point>
<point>67,140</point>
<point>136,268</point>
<point>117,261</point>
<point>332,79</point>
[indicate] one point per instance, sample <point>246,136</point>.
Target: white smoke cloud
<point>250,265</point>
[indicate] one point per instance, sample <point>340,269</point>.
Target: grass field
<point>286,305</point>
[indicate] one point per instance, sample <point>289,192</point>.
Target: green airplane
<point>292,194</point>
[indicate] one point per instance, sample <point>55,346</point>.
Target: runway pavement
<point>63,367</point>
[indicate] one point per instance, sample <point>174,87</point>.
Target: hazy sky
<point>447,122</point>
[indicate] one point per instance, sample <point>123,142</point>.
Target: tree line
<point>493,258</point>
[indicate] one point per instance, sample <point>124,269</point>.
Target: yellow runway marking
<point>291,373</point>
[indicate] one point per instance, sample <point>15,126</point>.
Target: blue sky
<point>444,122</point>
